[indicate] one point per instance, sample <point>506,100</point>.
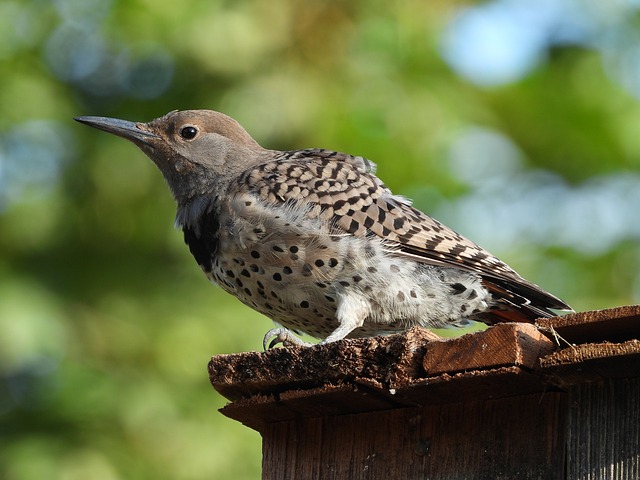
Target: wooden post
<point>555,400</point>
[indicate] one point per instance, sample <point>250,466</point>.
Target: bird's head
<point>194,149</point>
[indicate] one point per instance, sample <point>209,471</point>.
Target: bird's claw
<point>282,336</point>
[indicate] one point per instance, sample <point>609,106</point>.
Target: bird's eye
<point>188,133</point>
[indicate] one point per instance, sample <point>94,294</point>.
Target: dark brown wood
<point>603,431</point>
<point>612,325</point>
<point>592,362</point>
<point>474,385</point>
<point>558,400</point>
<point>512,438</point>
<point>259,411</point>
<point>384,360</point>
<point>345,377</point>
<point>361,396</point>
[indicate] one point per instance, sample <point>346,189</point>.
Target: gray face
<point>192,148</point>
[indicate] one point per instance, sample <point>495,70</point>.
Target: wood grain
<point>603,431</point>
<point>517,438</point>
<point>504,344</point>
<point>612,325</point>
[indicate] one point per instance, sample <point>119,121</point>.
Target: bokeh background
<point>516,122</point>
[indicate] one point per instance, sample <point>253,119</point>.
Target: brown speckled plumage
<point>315,241</point>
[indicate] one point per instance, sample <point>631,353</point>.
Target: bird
<point>314,240</point>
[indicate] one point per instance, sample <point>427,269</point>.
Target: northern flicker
<point>314,240</point>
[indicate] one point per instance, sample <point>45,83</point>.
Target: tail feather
<point>519,302</point>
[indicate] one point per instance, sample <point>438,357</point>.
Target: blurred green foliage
<point>106,323</point>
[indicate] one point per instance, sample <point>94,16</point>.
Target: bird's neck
<point>191,211</point>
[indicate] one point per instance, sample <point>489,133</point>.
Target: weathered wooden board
<point>560,399</point>
<point>479,440</point>
<point>505,344</point>
<point>363,395</point>
<point>603,431</point>
<point>611,325</point>
<point>386,360</point>
<point>259,411</point>
<point>592,362</point>
<point>391,362</point>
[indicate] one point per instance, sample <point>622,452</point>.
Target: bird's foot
<point>283,336</point>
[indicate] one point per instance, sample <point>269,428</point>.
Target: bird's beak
<point>122,128</point>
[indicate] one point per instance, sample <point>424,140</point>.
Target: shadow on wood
<point>555,400</point>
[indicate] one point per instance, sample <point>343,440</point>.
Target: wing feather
<point>358,203</point>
